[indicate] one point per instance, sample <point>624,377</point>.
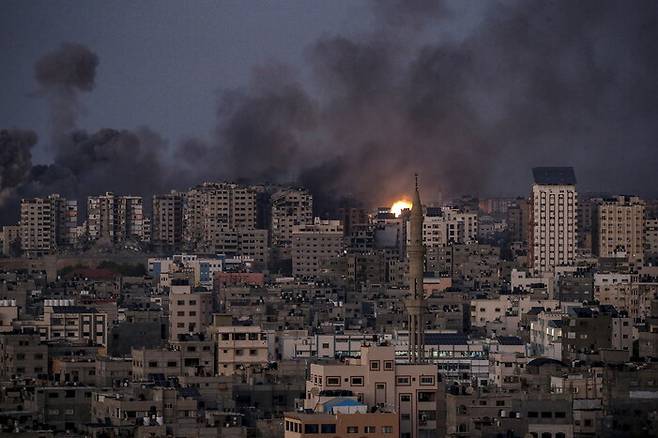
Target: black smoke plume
<point>468,95</point>
<point>471,107</point>
<point>62,75</point>
<point>15,159</point>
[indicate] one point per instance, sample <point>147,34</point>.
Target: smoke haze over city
<point>470,96</point>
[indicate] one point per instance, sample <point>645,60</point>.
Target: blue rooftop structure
<point>339,402</point>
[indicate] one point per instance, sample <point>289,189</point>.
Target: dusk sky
<point>345,97</point>
<point>162,63</point>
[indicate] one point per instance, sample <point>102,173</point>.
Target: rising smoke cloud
<point>469,100</point>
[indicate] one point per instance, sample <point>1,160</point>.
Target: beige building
<point>553,218</point>
<point>444,226</point>
<point>314,245</point>
<point>240,349</point>
<point>8,314</point>
<point>462,226</point>
<point>75,324</point>
<point>622,291</point>
<point>211,207</point>
<point>651,236</point>
<point>376,379</point>
<point>22,355</point>
<point>192,356</point>
<point>116,218</point>
<point>10,235</point>
<point>46,224</point>
<point>618,227</point>
<point>190,309</point>
<point>253,244</point>
<point>341,425</point>
<point>290,208</point>
<point>167,220</point>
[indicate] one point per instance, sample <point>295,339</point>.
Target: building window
<point>352,429</point>
<point>328,428</point>
<point>424,396</point>
<point>404,381</point>
<point>427,380</point>
<point>370,429</point>
<point>374,365</point>
<point>388,365</point>
<point>333,381</point>
<point>356,381</point>
<point>387,429</point>
<point>311,428</point>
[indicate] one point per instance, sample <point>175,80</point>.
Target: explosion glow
<point>398,206</point>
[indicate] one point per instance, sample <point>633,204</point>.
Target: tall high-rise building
<point>37,226</point>
<point>352,217</point>
<point>314,245</point>
<point>47,224</point>
<point>416,302</point>
<point>167,221</point>
<point>518,214</point>
<point>553,218</point>
<point>116,218</point>
<point>290,208</point>
<point>66,219</point>
<point>213,206</point>
<point>618,227</point>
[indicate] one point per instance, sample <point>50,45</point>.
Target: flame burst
<point>400,205</point>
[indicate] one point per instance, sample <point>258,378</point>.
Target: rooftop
<point>554,175</point>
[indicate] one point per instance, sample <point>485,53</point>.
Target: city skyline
<point>328,219</point>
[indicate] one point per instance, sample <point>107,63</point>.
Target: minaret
<point>416,301</point>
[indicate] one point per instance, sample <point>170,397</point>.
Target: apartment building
<point>376,379</point>
<point>189,356</point>
<point>241,349</point>
<point>47,224</point>
<point>290,208</point>
<point>167,221</point>
<point>553,218</point>
<point>116,218</point>
<point>622,291</point>
<point>190,309</point>
<point>75,324</point>
<point>22,355</point>
<point>341,425</point>
<point>11,239</point>
<point>212,208</point>
<point>444,226</point>
<point>588,332</point>
<point>8,314</point>
<point>618,228</point>
<point>314,245</point>
<point>253,244</point>
<point>201,269</point>
<point>518,218</point>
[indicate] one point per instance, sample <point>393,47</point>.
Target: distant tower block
<point>416,302</point>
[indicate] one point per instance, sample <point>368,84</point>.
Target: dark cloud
<point>469,107</point>
<point>15,167</point>
<point>122,161</point>
<point>535,83</point>
<point>62,75</point>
